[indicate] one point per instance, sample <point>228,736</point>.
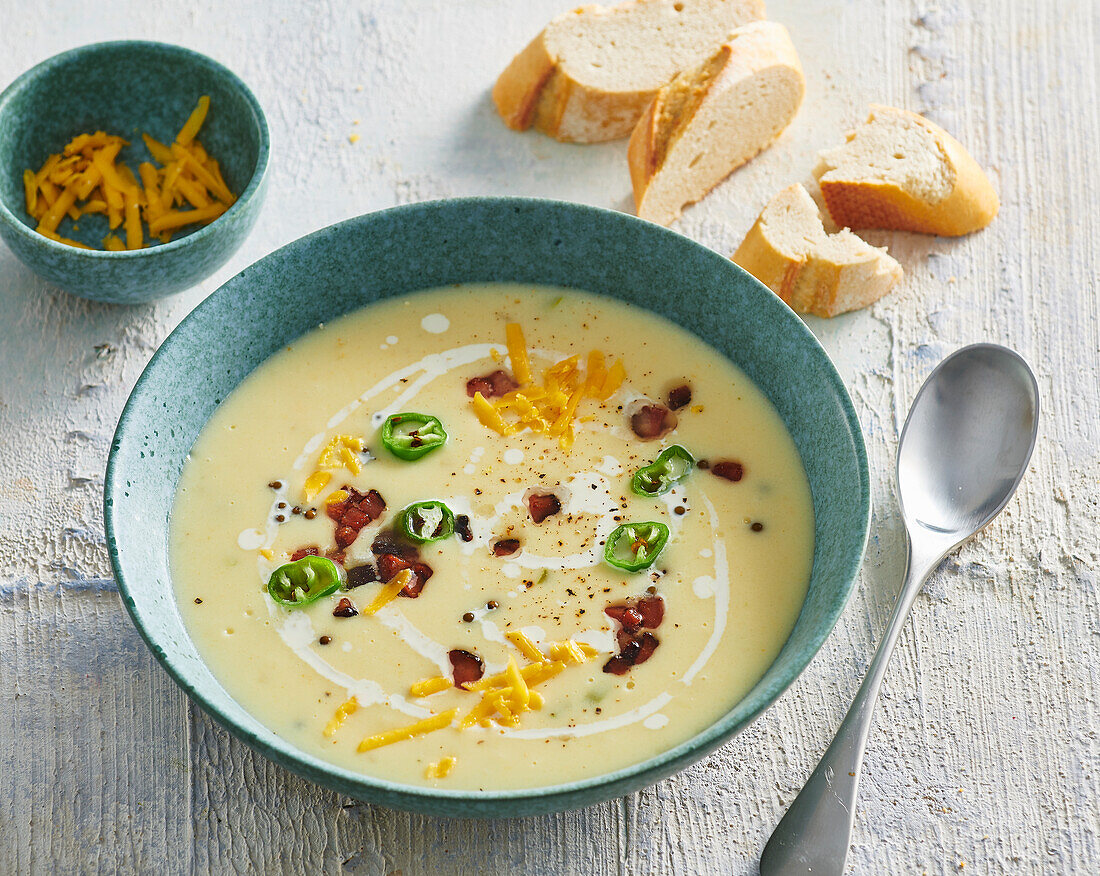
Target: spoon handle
<point>815,833</point>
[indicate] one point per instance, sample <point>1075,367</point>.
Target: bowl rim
<point>255,181</point>
<point>547,798</point>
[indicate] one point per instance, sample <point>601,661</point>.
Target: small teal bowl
<point>398,251</point>
<point>129,88</point>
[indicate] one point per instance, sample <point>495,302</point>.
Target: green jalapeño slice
<point>303,581</point>
<point>410,436</point>
<point>427,521</point>
<point>633,547</point>
<point>671,466</point>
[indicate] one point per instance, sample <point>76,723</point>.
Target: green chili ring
<point>303,581</point>
<point>410,436</point>
<point>643,542</point>
<point>673,465</point>
<point>423,522</point>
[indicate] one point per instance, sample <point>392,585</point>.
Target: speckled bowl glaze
<point>420,246</point>
<point>129,88</point>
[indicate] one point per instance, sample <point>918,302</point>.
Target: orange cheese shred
<point>399,734</point>
<point>517,352</point>
<point>550,408</point>
<point>86,177</point>
<point>30,190</point>
<point>194,122</point>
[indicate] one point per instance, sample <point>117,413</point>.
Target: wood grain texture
<point>985,750</point>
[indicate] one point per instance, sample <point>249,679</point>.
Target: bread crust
<point>813,282</point>
<point>535,91</point>
<point>971,205</point>
<point>517,89</point>
<point>763,45</point>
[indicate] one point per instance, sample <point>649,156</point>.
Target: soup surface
<point>573,666</point>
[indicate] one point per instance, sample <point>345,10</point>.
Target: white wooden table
<point>986,751</point>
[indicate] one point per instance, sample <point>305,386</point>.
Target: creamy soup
<point>501,652</point>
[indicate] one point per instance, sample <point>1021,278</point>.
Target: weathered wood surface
<point>985,750</point>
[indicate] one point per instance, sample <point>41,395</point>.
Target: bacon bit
<point>635,646</point>
<point>345,535</point>
<point>639,650</point>
<point>389,542</point>
<point>467,667</point>
<point>369,504</point>
<point>679,397</point>
<point>360,575</point>
<point>652,610</point>
<point>462,527</point>
<point>646,612</point>
<point>311,551</point>
<point>652,421</point>
<point>491,385</point>
<point>543,505</point>
<point>345,608</point>
<point>619,664</point>
<point>336,556</point>
<point>629,617</point>
<point>506,546</point>
<point>704,464</point>
<point>730,470</point>
<point>389,565</point>
<point>647,645</point>
<point>354,512</point>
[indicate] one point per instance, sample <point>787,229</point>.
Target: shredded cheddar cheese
<point>314,484</point>
<point>517,352</point>
<point>521,694</point>
<point>341,452</point>
<point>507,695</point>
<point>400,734</point>
<point>342,713</point>
<point>525,646</point>
<point>502,698</point>
<point>551,407</point>
<point>568,652</point>
<point>442,768</point>
<point>87,178</point>
<point>428,686</point>
<point>389,592</point>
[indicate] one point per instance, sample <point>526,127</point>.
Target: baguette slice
<point>709,121</point>
<point>590,74</point>
<point>789,251</point>
<point>899,170</point>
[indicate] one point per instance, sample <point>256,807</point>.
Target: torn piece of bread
<point>789,251</point>
<point>898,170</point>
<point>591,73</point>
<point>710,120</point>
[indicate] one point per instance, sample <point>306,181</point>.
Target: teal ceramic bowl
<point>129,88</point>
<point>420,246</point>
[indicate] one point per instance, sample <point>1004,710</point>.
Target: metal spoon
<point>963,450</point>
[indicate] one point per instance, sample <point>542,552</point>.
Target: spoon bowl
<point>967,440</point>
